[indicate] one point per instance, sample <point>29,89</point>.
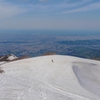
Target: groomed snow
<point>53,77</point>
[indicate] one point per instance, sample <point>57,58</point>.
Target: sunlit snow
<point>52,77</point>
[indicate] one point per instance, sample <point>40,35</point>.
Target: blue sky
<point>50,14</point>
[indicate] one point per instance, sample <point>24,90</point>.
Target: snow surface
<point>51,78</point>
<point>2,62</point>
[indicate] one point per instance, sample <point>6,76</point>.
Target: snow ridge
<point>40,78</point>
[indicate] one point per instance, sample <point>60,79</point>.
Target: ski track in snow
<point>43,95</point>
<point>74,96</point>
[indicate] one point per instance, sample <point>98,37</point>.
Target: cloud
<point>43,0</point>
<point>71,4</point>
<point>59,6</point>
<point>8,10</point>
<point>90,7</point>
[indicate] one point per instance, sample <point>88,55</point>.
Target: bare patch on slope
<point>88,75</point>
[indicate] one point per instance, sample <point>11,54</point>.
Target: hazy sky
<point>50,14</point>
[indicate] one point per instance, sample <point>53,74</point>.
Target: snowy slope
<point>51,78</point>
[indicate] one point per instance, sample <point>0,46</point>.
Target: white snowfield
<point>52,77</point>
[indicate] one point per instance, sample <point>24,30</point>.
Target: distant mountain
<point>8,57</point>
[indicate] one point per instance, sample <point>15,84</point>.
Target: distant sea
<point>12,35</point>
<point>62,32</point>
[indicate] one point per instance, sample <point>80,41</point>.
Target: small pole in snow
<point>52,60</point>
